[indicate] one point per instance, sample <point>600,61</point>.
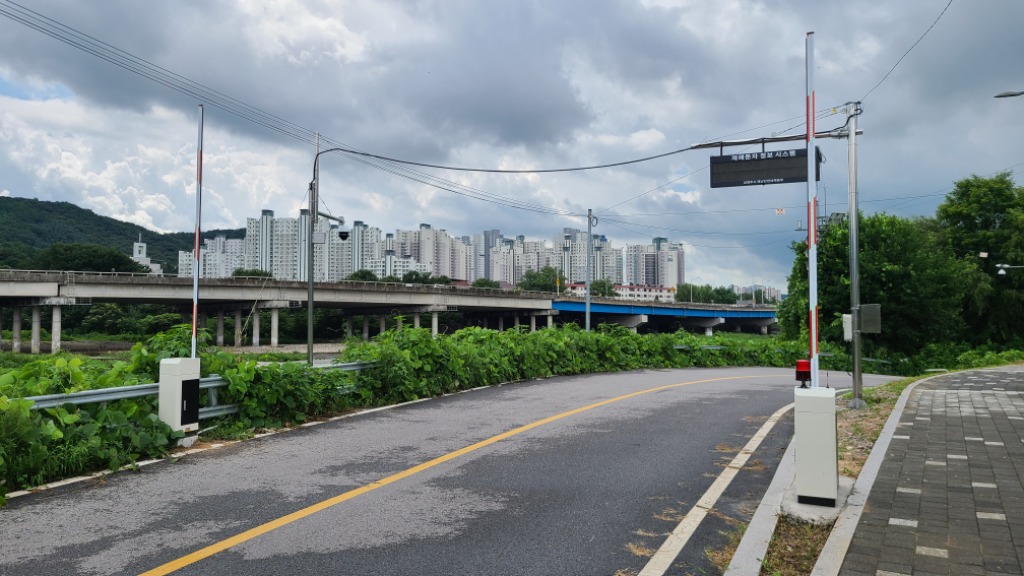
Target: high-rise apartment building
<point>606,263</point>
<point>660,263</point>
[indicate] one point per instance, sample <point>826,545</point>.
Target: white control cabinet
<point>179,393</point>
<point>817,447</point>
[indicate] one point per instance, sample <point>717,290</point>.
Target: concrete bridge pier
<point>16,330</point>
<point>533,323</point>
<point>708,324</point>
<point>551,321</point>
<point>366,327</point>
<point>55,316</point>
<point>515,321</point>
<point>220,328</point>
<point>433,323</point>
<point>631,321</point>
<point>238,327</point>
<point>275,320</point>
<point>501,323</point>
<point>383,324</point>
<point>348,327</point>
<point>762,324</point>
<point>256,328</point>
<point>416,320</point>
<point>37,325</point>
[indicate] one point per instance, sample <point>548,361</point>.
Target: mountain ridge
<point>30,225</point>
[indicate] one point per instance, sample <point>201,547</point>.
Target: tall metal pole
<point>196,245</point>
<point>812,216</point>
<point>590,250</point>
<point>314,204</point>
<point>853,110</point>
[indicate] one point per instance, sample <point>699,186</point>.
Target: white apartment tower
<point>605,265</point>
<point>661,263</point>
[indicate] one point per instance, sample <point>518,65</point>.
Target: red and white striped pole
<point>812,216</point>
<point>196,247</point>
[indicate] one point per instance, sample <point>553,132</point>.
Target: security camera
<point>343,234</point>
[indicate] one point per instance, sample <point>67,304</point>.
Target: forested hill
<point>28,226</point>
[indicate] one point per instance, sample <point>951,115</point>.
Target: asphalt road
<point>428,488</point>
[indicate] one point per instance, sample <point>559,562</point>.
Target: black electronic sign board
<point>760,168</point>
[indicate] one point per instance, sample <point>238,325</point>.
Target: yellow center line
<point>243,537</point>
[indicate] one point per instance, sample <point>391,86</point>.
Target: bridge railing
<point>211,383</point>
<point>171,279</point>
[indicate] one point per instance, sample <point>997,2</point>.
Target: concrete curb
<point>832,555</point>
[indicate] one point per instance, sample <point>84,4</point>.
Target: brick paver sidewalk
<point>949,498</point>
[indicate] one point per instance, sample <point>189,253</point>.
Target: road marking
<point>662,560</point>
<point>237,539</point>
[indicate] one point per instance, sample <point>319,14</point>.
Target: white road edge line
<point>662,560</point>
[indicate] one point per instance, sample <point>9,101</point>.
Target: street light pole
<point>314,215</point>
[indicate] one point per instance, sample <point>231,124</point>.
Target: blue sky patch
<point>23,91</point>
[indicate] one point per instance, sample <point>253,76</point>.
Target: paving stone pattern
<point>949,498</point>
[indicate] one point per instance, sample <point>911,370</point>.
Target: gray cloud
<point>512,84</point>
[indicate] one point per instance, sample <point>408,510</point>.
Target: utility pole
<point>197,247</point>
<point>314,205</point>
<point>853,110</point>
<point>591,222</point>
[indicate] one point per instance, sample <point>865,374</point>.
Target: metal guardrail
<point>686,347</point>
<point>210,383</point>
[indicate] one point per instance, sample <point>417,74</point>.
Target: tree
<point>16,255</point>
<point>903,266</point>
<point>547,279</point>
<point>257,272</point>
<point>986,215</point>
<point>363,276</point>
<point>705,294</point>
<point>603,288</point>
<point>485,283</point>
<point>85,258</point>
<point>414,277</point>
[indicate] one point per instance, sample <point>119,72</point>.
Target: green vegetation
<point>363,276</point>
<point>31,226</point>
<point>547,279</point>
<point>940,298</point>
<point>43,445</point>
<point>705,294</point>
<point>254,272</point>
<point>603,288</point>
<point>485,283</point>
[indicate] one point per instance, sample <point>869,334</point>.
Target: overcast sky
<point>514,84</point>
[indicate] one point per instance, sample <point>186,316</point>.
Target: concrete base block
<point>819,515</point>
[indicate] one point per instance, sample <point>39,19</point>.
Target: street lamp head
<point>1002,272</point>
<point>1009,94</point>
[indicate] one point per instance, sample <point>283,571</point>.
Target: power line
<point>864,97</point>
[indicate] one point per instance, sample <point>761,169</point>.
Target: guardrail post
<point>179,394</point>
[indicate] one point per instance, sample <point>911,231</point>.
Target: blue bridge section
<point>657,316</point>
<point>664,310</point>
